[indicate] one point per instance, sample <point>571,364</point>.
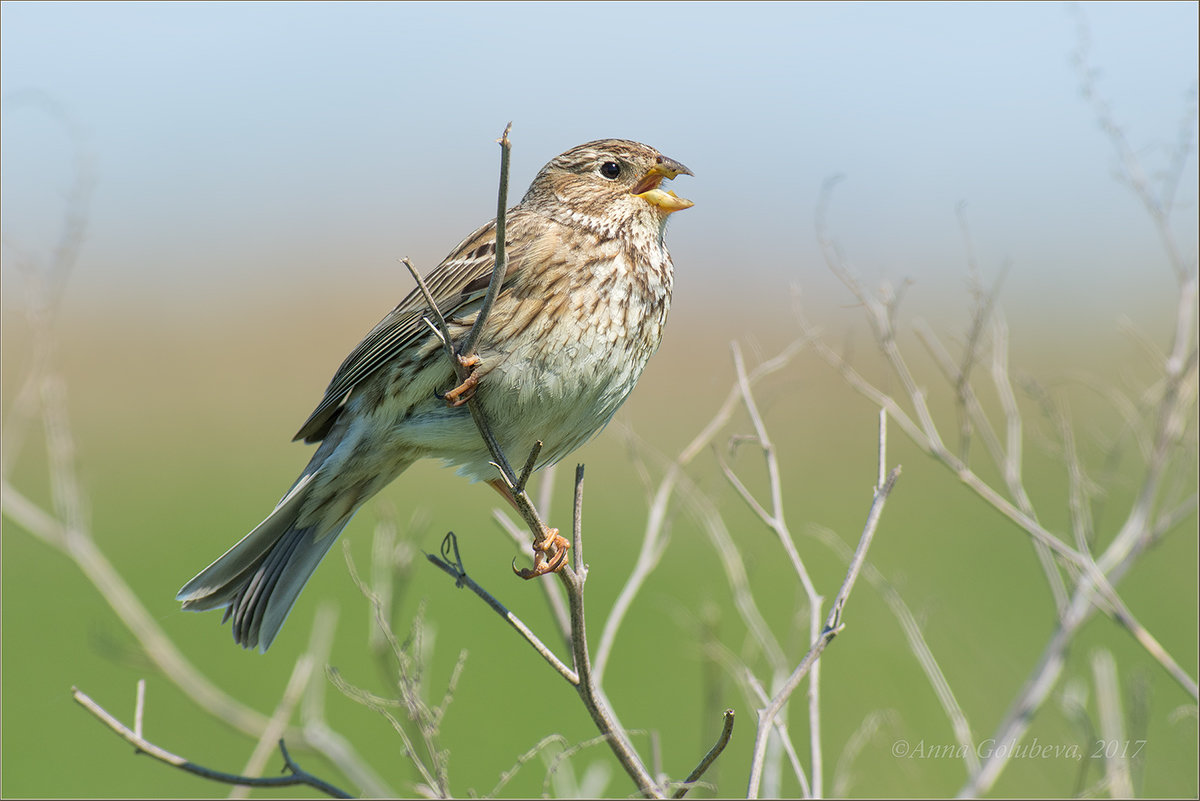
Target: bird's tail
<point>259,578</point>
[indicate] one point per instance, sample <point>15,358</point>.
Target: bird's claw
<point>463,393</point>
<point>549,555</point>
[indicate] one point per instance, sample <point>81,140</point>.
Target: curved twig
<point>296,774</point>
<point>710,757</point>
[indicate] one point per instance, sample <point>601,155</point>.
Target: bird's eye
<point>610,170</point>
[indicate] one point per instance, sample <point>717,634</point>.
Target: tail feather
<point>259,579</point>
<point>216,585</point>
<point>264,602</point>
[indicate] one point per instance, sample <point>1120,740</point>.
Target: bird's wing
<point>458,281</point>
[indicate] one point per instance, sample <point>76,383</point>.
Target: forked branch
<point>295,774</point>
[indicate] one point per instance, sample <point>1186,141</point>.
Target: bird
<point>579,313</point>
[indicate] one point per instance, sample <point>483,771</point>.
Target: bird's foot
<point>463,393</point>
<point>549,555</point>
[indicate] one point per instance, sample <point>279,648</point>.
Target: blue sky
<point>260,146</point>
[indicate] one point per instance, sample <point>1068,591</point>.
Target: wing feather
<point>459,280</point>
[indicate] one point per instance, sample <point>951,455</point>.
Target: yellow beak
<point>647,188</point>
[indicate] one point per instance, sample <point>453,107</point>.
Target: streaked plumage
<point>582,308</point>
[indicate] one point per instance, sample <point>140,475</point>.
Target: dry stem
<point>296,775</point>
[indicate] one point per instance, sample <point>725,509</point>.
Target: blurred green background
<point>256,171</point>
<point>183,446</point>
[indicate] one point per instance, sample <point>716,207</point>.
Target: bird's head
<point>607,185</point>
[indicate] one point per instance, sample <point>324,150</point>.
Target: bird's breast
<point>576,343</point>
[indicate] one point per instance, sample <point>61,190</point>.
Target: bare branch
<point>917,644</point>
<point>459,358</point>
<point>776,521</point>
<point>296,775</point>
<point>654,545</point>
<point>833,625</point>
<point>468,346</point>
<point>756,694</point>
<point>583,680</point>
<point>542,744</point>
<point>530,464</point>
<point>710,757</point>
<point>1095,578</point>
<point>1158,204</point>
<point>655,538</point>
<point>69,531</point>
<point>383,707</point>
<point>80,548</point>
<point>701,507</point>
<point>573,579</point>
<point>577,525</point>
<point>458,572</point>
<point>554,593</point>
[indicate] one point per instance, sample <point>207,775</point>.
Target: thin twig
<point>1177,403</point>
<point>555,597</point>
<point>501,267</point>
<point>1012,466</point>
<point>139,708</point>
<point>459,356</point>
<point>439,324</point>
<point>654,539</point>
<point>530,464</point>
<point>461,579</point>
<point>573,579</point>
<point>916,643</point>
<point>383,707</point>
<point>654,545</point>
<point>833,625</point>
<point>295,777</point>
<point>872,723</point>
<point>577,525</point>
<point>776,521</point>
<point>710,757</point>
<point>506,777</point>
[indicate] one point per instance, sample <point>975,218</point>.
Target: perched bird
<point>580,311</point>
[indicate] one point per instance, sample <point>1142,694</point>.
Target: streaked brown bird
<point>580,312</point>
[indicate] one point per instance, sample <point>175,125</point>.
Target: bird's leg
<point>549,549</point>
<point>461,394</point>
<point>549,554</point>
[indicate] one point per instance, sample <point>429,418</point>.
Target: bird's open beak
<point>647,188</point>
